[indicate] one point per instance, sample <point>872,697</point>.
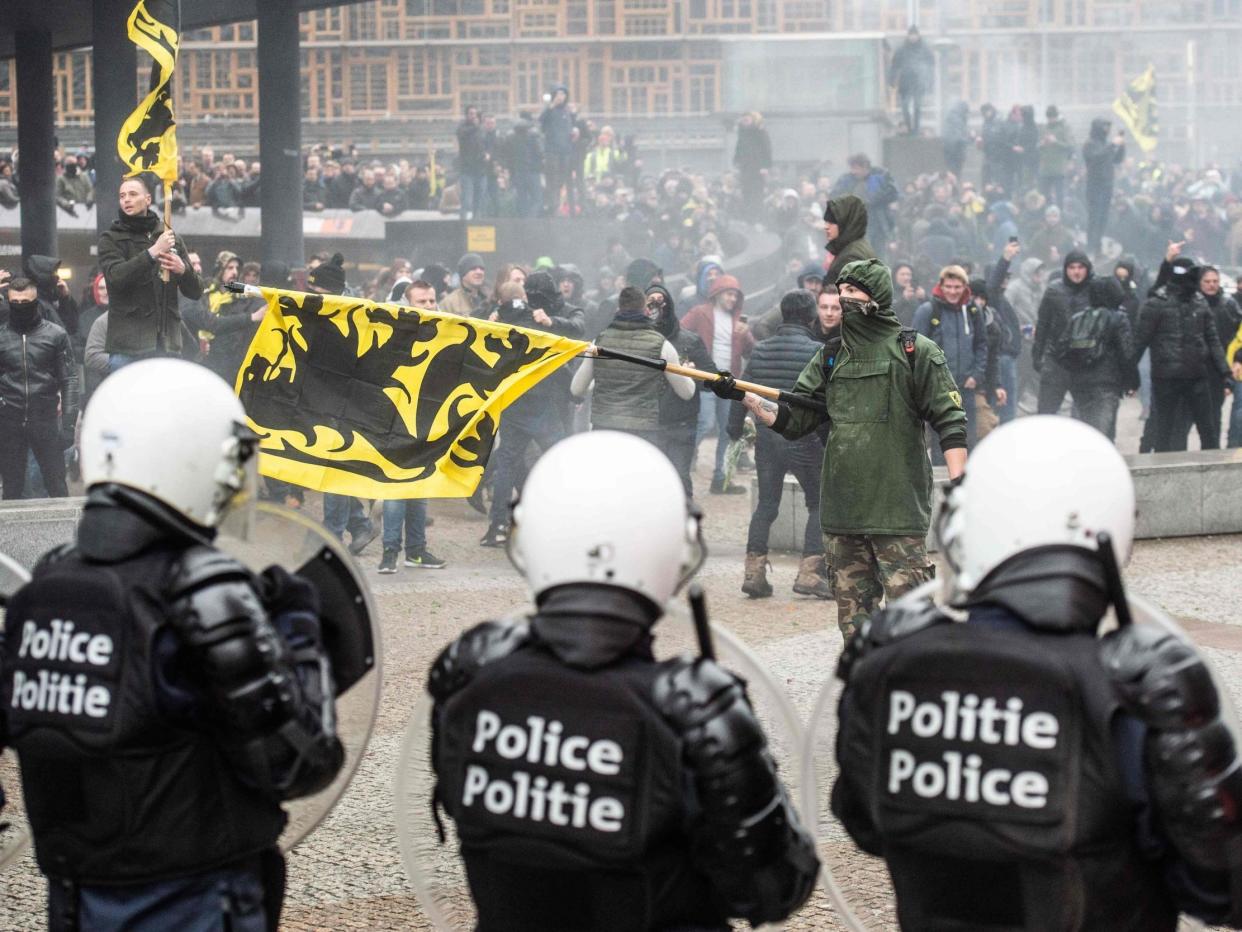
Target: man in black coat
<point>1060,302</point>
<point>1228,317</point>
<point>38,382</point>
<point>1112,370</point>
<point>1186,354</point>
<point>777,362</point>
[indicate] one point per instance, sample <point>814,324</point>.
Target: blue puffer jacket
<point>959,331</point>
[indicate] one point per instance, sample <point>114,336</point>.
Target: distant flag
<point>148,138</point>
<point>381,401</point>
<point>1137,109</point>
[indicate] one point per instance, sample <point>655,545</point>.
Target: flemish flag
<point>148,138</point>
<point>380,401</point>
<point>1137,109</point>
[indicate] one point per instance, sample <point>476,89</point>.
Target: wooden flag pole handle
<point>167,221</point>
<point>763,391</point>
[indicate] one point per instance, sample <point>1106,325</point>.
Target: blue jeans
<point>1235,417</point>
<point>714,416</point>
<point>473,192</point>
<point>410,513</point>
<point>343,513</point>
<point>120,360</point>
<point>211,902</point>
<point>1009,382</point>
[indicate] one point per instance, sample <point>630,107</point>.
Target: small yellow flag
<point>1136,108</point>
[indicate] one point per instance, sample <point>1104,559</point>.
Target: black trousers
<point>510,459</point>
<point>1176,404</point>
<point>775,456</point>
<point>677,442</point>
<point>1054,382</point>
<point>1098,407</point>
<point>18,440</point>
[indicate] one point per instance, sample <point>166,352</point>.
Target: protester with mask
<point>74,191</point>
<point>777,362</point>
<point>134,254</point>
<point>875,492</point>
<point>38,394</point>
<point>1097,350</point>
<point>1177,324</point>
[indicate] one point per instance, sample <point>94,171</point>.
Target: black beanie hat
<point>329,277</point>
<point>1185,274</point>
<point>541,290</point>
<point>978,288</point>
<point>1105,291</point>
<point>797,306</point>
<point>829,217</point>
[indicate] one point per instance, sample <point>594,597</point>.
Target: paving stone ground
<point>348,875</point>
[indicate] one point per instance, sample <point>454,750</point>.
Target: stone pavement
<point>348,875</point>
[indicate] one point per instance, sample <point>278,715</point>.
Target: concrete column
<point>280,134</point>
<point>114,78</point>
<point>36,142</point>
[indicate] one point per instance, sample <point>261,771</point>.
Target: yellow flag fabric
<point>383,401</point>
<point>1137,109</point>
<point>148,138</point>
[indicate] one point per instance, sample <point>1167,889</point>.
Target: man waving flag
<point>380,401</point>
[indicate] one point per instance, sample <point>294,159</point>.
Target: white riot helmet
<point>608,508</point>
<point>173,430</point>
<point>1035,482</point>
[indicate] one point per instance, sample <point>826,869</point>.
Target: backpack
<point>1081,343</point>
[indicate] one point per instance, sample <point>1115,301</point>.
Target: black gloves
<point>282,591</point>
<point>725,387</point>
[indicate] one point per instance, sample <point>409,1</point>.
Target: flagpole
<point>167,220</point>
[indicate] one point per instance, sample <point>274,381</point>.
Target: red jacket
<point>702,320</point>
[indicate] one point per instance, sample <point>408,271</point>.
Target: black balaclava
<point>1184,280</point>
<point>24,315</point>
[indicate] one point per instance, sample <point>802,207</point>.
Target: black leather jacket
<point>37,373</point>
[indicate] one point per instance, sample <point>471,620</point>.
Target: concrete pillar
<point>36,142</point>
<point>280,134</point>
<point>114,78</point>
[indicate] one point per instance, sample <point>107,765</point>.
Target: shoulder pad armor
<point>54,556</point>
<point>1160,678</point>
<point>891,624</point>
<point>485,643</point>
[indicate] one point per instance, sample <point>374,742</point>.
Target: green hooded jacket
<point>851,243</point>
<point>877,477</point>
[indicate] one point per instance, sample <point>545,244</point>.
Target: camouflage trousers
<point>871,567</point>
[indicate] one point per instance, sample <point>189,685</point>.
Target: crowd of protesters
<point>1068,277</point>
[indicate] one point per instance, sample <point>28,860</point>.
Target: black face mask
<point>71,170</point>
<point>23,315</point>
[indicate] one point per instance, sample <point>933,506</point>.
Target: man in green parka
<point>877,390</point>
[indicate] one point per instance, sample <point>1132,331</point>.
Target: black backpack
<point>1081,343</point>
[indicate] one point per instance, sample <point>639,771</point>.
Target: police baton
<point>702,628</point>
<point>772,394</point>
<point>1112,579</point>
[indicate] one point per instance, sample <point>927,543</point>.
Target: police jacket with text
<point>125,780</point>
<point>573,791</point>
<point>987,763</point>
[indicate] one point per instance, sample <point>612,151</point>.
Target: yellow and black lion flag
<point>1137,109</point>
<point>148,138</point>
<point>380,401</point>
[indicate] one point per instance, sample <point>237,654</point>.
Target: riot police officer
<point>161,698</point>
<point>1017,771</point>
<point>592,786</point>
